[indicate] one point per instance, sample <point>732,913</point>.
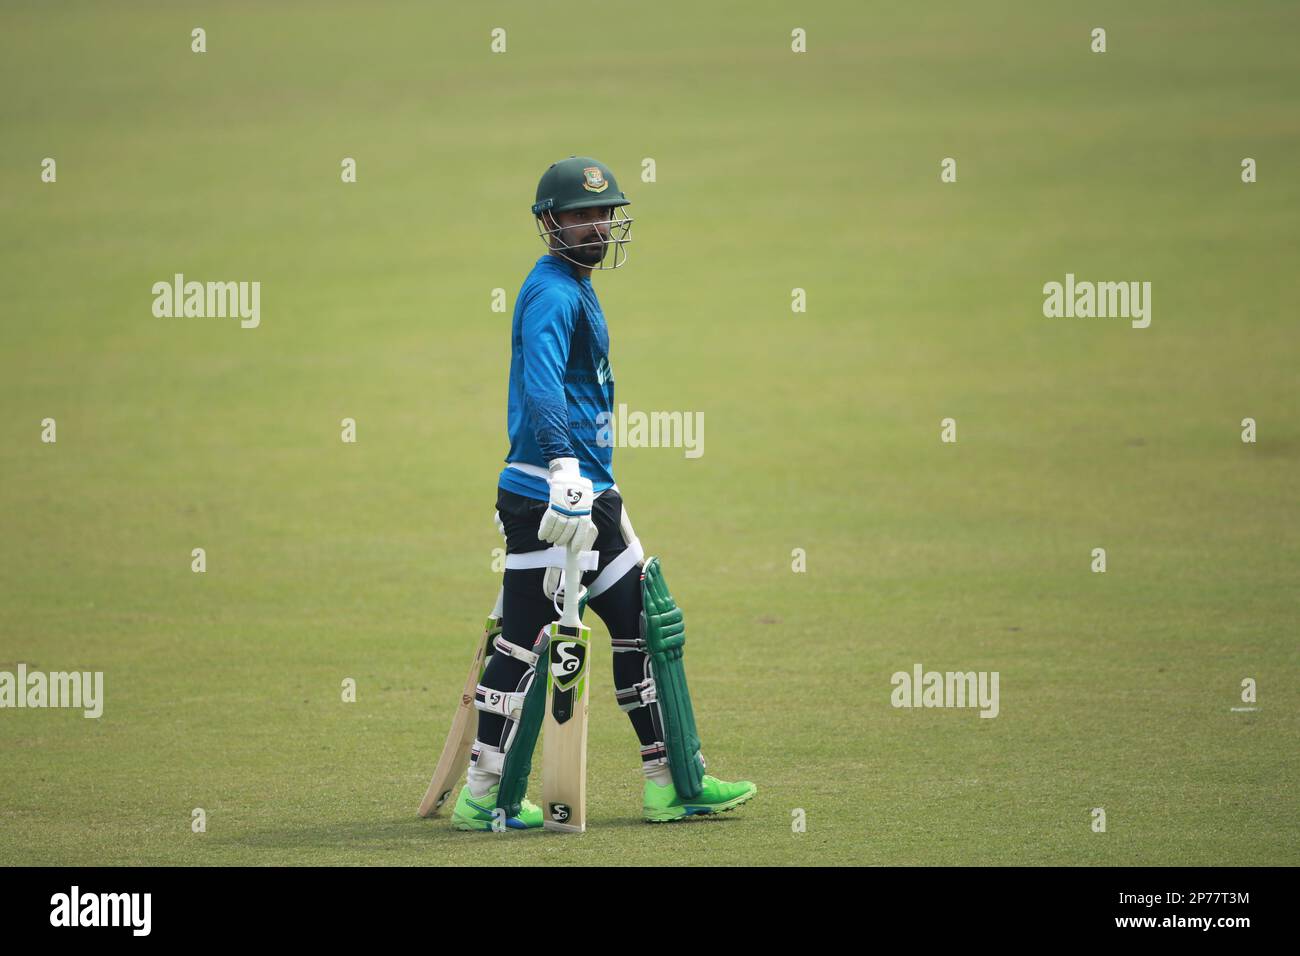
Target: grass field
<point>775,170</point>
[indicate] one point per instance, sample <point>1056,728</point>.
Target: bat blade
<point>454,760</point>
<point>564,734</point>
<point>564,728</point>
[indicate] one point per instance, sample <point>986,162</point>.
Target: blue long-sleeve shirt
<point>560,381</point>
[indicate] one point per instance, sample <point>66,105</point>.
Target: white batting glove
<point>568,521</point>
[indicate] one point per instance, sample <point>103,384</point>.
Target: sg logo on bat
<point>567,671</point>
<point>568,661</point>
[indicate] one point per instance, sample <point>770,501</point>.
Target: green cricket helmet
<point>581,182</point>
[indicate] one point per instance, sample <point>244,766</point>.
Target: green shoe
<point>476,813</point>
<point>716,796</point>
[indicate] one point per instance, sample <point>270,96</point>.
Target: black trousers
<point>527,609</point>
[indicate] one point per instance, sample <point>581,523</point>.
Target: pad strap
<point>501,702</point>
<point>627,559</point>
<point>490,761</point>
<point>514,650</point>
<point>638,695</point>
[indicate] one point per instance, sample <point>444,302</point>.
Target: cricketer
<point>557,491</point>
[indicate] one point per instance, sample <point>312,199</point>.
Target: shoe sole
<point>688,811</point>
<point>481,826</point>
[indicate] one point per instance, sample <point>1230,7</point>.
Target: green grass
<point>821,171</point>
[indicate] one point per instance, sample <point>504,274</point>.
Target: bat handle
<point>572,585</point>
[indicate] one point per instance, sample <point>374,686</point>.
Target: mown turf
<point>775,170</point>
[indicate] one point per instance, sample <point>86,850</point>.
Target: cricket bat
<point>464,725</point>
<point>564,728</point>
